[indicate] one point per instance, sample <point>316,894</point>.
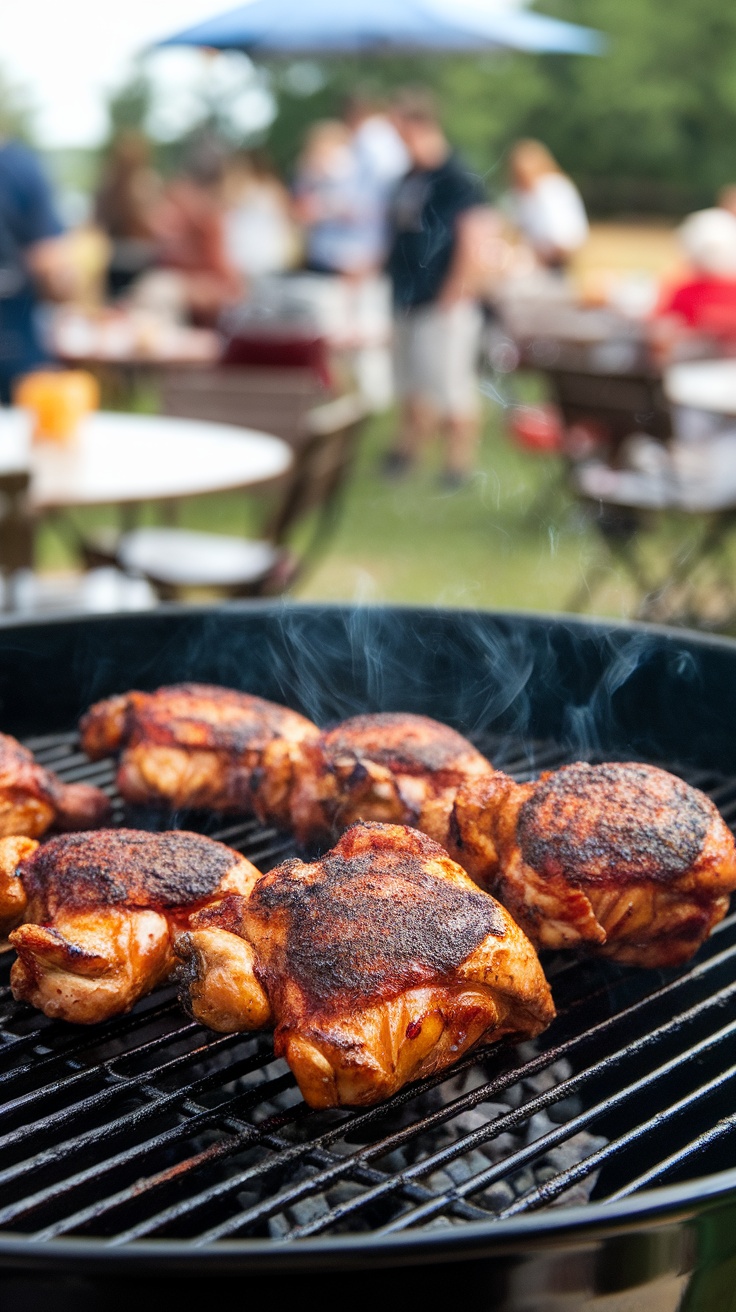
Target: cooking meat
<point>219,980</point>
<point>625,858</point>
<point>196,745</point>
<point>394,768</point>
<point>382,962</point>
<point>102,911</point>
<point>13,898</point>
<point>32,799</point>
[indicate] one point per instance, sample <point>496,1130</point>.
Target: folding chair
<point>175,561</point>
<point>688,578</point>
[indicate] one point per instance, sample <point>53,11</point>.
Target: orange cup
<point>58,399</point>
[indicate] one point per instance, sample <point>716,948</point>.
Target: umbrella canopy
<point>292,27</point>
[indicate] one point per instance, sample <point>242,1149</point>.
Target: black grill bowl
<point>150,1161</point>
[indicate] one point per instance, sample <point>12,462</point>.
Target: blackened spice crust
<point>211,718</point>
<point>412,744</point>
<point>371,924</point>
<point>126,867</point>
<point>226,913</point>
<point>593,823</point>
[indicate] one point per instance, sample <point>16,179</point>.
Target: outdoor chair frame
<point>275,400</point>
<point>314,487</point>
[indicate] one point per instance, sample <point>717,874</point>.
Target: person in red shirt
<point>705,302</point>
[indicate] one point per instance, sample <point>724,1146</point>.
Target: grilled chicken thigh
<point>102,910</point>
<point>13,899</point>
<point>382,962</point>
<point>32,799</point>
<point>195,745</point>
<point>625,858</point>
<point>219,978</point>
<point>394,768</point>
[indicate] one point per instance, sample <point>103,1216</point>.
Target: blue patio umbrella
<point>291,27</point>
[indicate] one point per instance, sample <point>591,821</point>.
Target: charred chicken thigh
<point>381,962</point>
<point>13,899</point>
<point>625,858</point>
<point>102,910</point>
<point>219,978</point>
<point>32,799</point>
<point>196,745</point>
<point>394,768</point>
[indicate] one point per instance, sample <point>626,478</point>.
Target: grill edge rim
<point>590,1222</point>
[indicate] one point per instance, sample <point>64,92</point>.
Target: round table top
<point>703,385</point>
<point>118,458</point>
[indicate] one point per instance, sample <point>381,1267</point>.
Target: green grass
<point>508,539</point>
<point>513,538</point>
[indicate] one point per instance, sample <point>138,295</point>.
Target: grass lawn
<point>511,539</point>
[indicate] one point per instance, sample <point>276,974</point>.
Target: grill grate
<point>151,1127</point>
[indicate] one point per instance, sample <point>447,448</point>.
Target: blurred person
<point>260,234</point>
<point>33,261</point>
<point>124,207</point>
<point>336,204</point>
<point>704,301</point>
<point>546,205</point>
<point>189,226</point>
<point>381,157</point>
<point>376,142</point>
<point>435,264</point>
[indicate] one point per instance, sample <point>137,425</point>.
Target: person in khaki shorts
<point>436,221</point>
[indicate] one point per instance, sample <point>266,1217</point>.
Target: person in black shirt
<point>436,221</point>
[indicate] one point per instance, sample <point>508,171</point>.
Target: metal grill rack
<point>151,1127</point>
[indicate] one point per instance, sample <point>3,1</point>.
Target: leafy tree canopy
<point>648,127</point>
<point>16,110</point>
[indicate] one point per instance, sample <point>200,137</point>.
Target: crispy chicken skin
<point>625,858</point>
<point>196,745</point>
<point>32,799</point>
<point>13,898</point>
<point>102,911</point>
<point>393,768</point>
<point>382,962</point>
<point>219,983</point>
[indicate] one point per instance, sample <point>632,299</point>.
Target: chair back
<point>274,401</point>
<point>618,404</point>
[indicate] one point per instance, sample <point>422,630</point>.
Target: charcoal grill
<point>595,1167</point>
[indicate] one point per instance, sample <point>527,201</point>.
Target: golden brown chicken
<point>196,745</point>
<point>382,962</point>
<point>13,899</point>
<point>394,768</point>
<point>102,911</point>
<point>32,798</point>
<point>625,858</point>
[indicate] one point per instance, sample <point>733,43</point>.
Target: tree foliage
<point>129,105</point>
<point>650,126</point>
<point>16,110</point>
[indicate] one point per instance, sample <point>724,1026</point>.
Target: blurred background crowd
<point>505,257</point>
